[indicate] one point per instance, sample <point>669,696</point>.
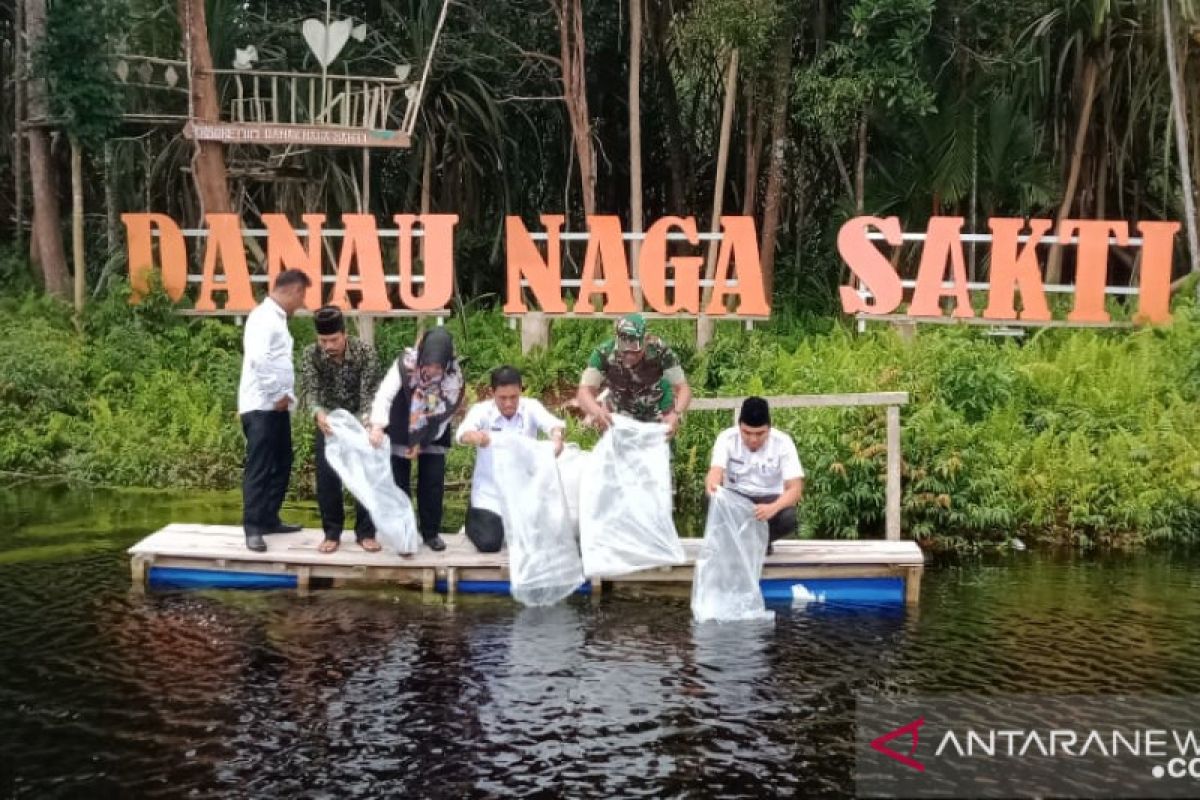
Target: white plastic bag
<point>725,584</point>
<point>572,463</point>
<point>367,473</point>
<point>625,521</point>
<point>543,558</point>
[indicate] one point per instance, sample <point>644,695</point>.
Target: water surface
<point>105,693</point>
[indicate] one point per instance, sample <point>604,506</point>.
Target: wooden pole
<point>893,473</point>
<point>19,123</point>
<point>1181,140</point>
<point>77,224</point>
<point>704,324</point>
<point>635,142</point>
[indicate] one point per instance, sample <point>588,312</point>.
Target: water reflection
<point>381,693</point>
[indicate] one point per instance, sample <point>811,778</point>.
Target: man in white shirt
<point>266,396</point>
<point>760,463</point>
<point>508,411</point>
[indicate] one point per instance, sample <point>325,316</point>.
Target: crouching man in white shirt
<point>507,410</point>
<point>760,463</point>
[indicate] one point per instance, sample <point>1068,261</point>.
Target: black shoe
<point>254,541</point>
<point>435,543</point>
<point>283,527</point>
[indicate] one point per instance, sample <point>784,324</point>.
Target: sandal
<point>370,545</point>
<point>328,546</point>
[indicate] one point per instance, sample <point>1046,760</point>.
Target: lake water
<point>104,693</point>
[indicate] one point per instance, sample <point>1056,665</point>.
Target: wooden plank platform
<point>222,548</point>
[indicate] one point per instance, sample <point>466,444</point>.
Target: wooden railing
<point>892,400</point>
<point>296,98</point>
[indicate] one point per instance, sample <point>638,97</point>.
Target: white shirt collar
<point>269,302</point>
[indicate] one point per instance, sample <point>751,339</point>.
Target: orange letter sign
<point>361,244</point>
<point>284,251</point>
<point>865,261</point>
<point>225,245</point>
<point>653,263</point>
<point>739,244</point>
<point>942,239</point>
<point>605,261</point>
<point>1091,264</point>
<point>439,260</point>
<point>524,261</point>
<point>1015,267</point>
<point>1154,293</point>
<point>141,254</point>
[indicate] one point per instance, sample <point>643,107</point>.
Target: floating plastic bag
<point>572,463</point>
<point>367,473</point>
<point>543,557</point>
<point>725,584</point>
<point>625,521</point>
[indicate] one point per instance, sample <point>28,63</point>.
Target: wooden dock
<point>293,560</point>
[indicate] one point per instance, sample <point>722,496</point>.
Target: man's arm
<point>548,424</point>
<point>793,488</point>
<point>256,341</point>
<point>307,393</point>
<point>589,386</point>
<point>471,431</point>
<point>382,405</point>
<point>714,479</point>
<point>683,398</point>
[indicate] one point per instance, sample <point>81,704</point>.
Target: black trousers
<point>431,486</point>
<point>783,523</point>
<point>485,529</point>
<point>268,468</point>
<point>329,500</point>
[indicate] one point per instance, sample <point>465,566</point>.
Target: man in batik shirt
<point>339,371</point>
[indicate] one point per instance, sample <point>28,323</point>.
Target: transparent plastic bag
<point>367,472</point>
<point>543,557</point>
<point>725,584</point>
<point>625,521</point>
<point>572,463</point>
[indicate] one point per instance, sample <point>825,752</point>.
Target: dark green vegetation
<point>1075,436</point>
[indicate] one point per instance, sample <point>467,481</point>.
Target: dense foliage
<point>1076,436</point>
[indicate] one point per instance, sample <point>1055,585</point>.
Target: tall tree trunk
<point>77,252</point>
<point>722,165</point>
<point>635,141</point>
<point>782,77</point>
<point>752,144</point>
<point>208,162</point>
<point>19,122</point>
<point>574,80</point>
<point>47,241</point>
<point>111,212</point>
<point>1091,76</point>
<point>860,166</point>
<point>1179,107</point>
<point>704,324</point>
<point>676,141</point>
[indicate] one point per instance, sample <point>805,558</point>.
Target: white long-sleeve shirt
<point>531,416</point>
<point>267,369</point>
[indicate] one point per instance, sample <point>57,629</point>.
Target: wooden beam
<point>805,401</point>
<point>912,586</point>
<point>893,473</point>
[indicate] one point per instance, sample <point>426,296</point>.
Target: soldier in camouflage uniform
<point>643,375</point>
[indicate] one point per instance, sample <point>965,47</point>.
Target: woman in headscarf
<point>414,405</point>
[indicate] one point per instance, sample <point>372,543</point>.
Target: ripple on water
<point>368,694</point>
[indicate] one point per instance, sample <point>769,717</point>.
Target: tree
<point>46,244</point>
<point>84,97</point>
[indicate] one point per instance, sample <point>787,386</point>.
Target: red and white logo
<point>880,744</point>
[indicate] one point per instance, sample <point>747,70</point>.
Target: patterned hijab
<point>434,401</point>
